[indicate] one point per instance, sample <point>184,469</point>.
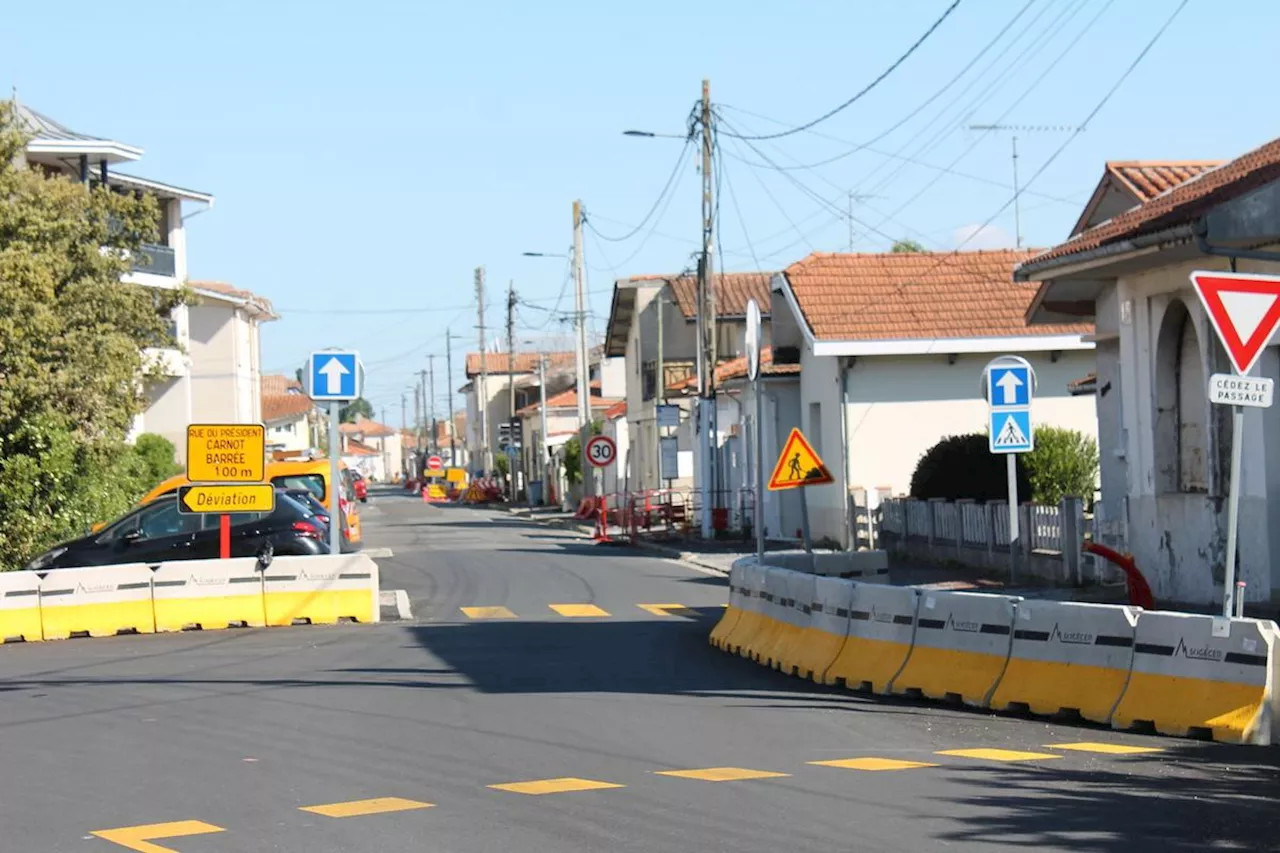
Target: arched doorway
<point>1182,409</point>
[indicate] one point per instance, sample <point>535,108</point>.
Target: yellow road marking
<point>555,786</point>
<point>1105,748</point>
<point>997,754</point>
<point>722,774</point>
<point>356,808</point>
<point>578,610</point>
<point>667,609</point>
<point>487,613</point>
<point>872,764</point>
<point>139,837</point>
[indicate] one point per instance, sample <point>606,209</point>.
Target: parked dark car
<point>157,532</point>
<point>307,498</point>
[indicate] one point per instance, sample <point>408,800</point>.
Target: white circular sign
<point>601,451</point>
<point>434,463</point>
<point>753,340</point>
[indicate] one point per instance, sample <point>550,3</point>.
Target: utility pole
<point>511,386</point>
<point>433,443</point>
<point>417,416</point>
<point>659,397</point>
<point>382,445</point>
<point>482,394</point>
<point>448,368</point>
<point>542,427</point>
<point>707,348</point>
<point>403,406</point>
<point>580,350</point>
<point>422,388</point>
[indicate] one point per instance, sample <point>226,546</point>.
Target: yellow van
<point>309,474</point>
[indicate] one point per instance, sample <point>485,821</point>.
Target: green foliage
<point>963,466</point>
<point>572,455</point>
<point>906,246</point>
<point>502,464</point>
<point>1063,464</point>
<point>359,406</point>
<point>72,335</point>
<point>158,457</point>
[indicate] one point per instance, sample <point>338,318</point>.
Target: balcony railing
<point>155,260</point>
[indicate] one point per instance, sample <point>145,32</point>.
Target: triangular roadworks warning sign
<point>1244,309</point>
<point>798,466</point>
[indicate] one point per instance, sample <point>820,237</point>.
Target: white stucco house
<point>890,351</point>
<point>211,374</point>
<point>1164,449</point>
<point>288,415</point>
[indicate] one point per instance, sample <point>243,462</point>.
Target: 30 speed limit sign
<point>601,451</point>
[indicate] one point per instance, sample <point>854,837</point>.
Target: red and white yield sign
<point>1244,309</point>
<point>434,463</point>
<point>601,451</point>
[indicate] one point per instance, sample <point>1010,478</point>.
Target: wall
<point>900,406</point>
<point>213,351</point>
<point>1178,537</point>
<point>289,435</point>
<point>166,413</point>
<point>820,396</point>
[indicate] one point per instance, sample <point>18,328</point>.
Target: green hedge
<point>1063,464</point>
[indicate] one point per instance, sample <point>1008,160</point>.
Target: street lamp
<point>543,255</point>
<point>648,134</point>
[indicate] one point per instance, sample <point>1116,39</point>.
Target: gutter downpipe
<point>1201,231</point>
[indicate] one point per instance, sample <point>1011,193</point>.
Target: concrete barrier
<point>321,590</point>
<point>961,646</point>
<point>20,607</point>
<point>99,601</point>
<point>822,640</point>
<point>795,615</point>
<point>208,594</point>
<point>774,626</point>
<point>1068,657</point>
<point>732,613</point>
<point>742,636</point>
<point>879,640</point>
<point>1202,675</point>
<point>864,566</point>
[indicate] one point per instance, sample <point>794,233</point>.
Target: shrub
<point>157,455</point>
<point>1064,464</point>
<point>963,466</point>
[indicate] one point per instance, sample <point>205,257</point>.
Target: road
<point>581,709</point>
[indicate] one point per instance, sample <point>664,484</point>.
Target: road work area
<point>552,694</point>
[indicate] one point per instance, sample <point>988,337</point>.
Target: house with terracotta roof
<point>652,308</point>
<point>287,414</point>
<point>1165,449</point>
<point>890,350</point>
<point>561,425</point>
<point>374,449</point>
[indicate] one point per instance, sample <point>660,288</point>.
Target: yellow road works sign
<point>226,453</point>
<point>228,498</point>
<point>798,466</point>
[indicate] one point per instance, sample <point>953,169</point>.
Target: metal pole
<point>433,442</point>
<point>1233,510</point>
<point>448,381</point>
<point>1017,206</point>
<point>1011,459</point>
<point>707,306</point>
<point>482,395</point>
<point>335,483</point>
<point>542,427</point>
<point>511,387</point>
<point>580,326</point>
<point>659,396</point>
<point>804,522</point>
<point>759,460</point>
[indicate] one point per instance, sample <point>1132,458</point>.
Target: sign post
<point>1245,311</point>
<point>334,377</point>
<point>798,466</point>
<point>224,453</point>
<point>1009,385</point>
<point>753,373</point>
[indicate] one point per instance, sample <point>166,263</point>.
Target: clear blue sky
<point>367,157</point>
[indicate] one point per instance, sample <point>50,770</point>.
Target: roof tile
<point>280,407</point>
<point>1149,178</point>
<point>524,362</point>
<point>916,296</point>
<point>733,290</point>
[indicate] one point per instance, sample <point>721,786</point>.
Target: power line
<point>675,171</point>
<point>901,59</point>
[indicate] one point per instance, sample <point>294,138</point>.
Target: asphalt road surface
<point>555,695</point>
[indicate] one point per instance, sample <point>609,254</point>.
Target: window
<point>1182,409</point>
<point>163,519</point>
<point>313,483</point>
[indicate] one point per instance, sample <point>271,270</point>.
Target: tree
<point>349,413</point>
<point>72,336</point>
<point>963,467</point>
<point>901,246</point>
<point>157,455</point>
<point>1063,464</point>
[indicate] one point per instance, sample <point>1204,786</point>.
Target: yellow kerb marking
<point>487,613</point>
<point>139,837</point>
<point>997,754</point>
<point>356,808</point>
<point>872,764</point>
<point>667,609</point>
<point>1105,748</point>
<point>722,774</point>
<point>555,786</point>
<point>578,610</point>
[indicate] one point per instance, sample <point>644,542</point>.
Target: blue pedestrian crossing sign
<point>1010,431</point>
<point>334,375</point>
<point>1008,385</point>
